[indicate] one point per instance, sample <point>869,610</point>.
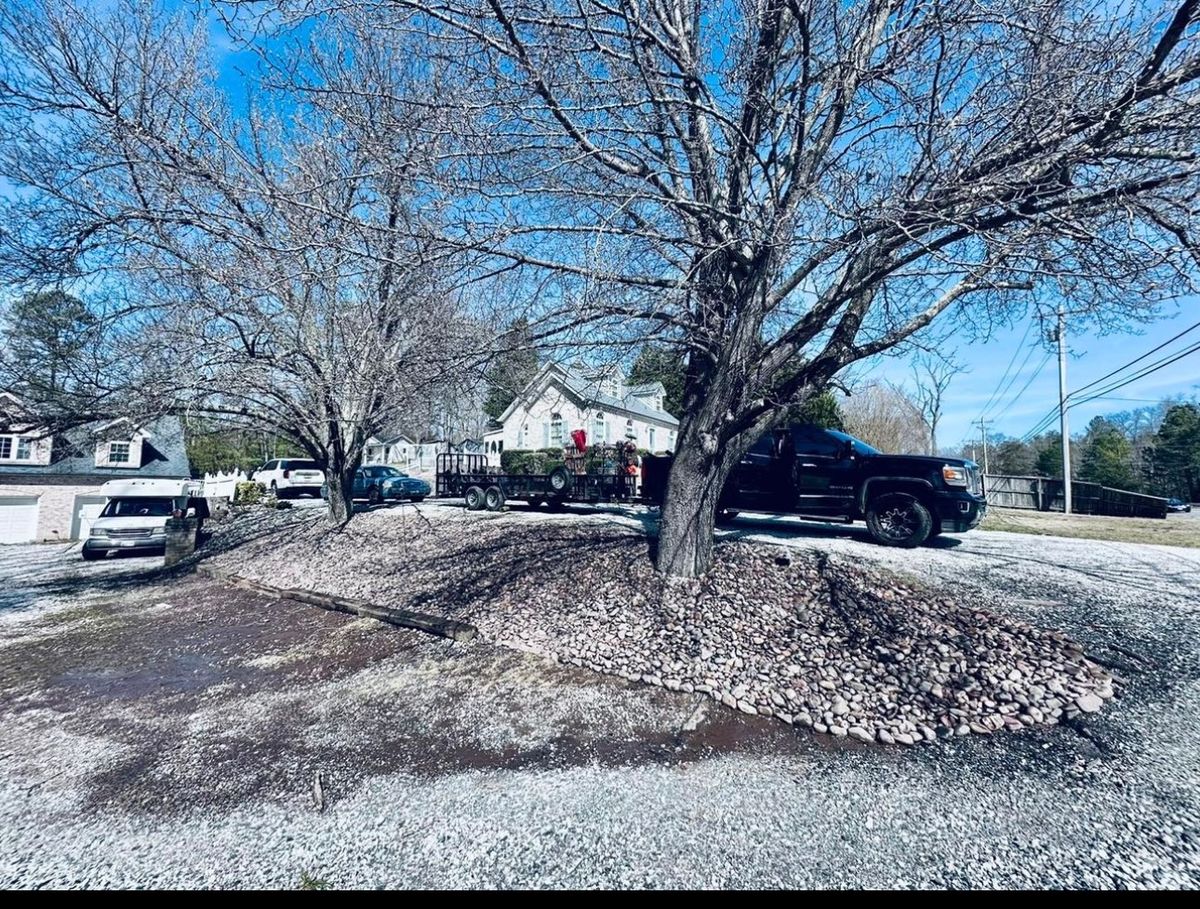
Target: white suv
<point>290,476</point>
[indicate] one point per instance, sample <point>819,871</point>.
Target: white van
<point>135,516</point>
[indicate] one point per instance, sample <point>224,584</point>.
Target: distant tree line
<point>1154,449</point>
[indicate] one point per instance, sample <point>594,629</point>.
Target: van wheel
<point>474,498</point>
<point>899,519</point>
<point>493,499</point>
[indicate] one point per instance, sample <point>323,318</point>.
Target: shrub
<point>536,461</point>
<point>247,493</point>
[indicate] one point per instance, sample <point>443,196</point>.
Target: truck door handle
<point>808,464</point>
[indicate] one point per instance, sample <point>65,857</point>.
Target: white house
<point>50,483</point>
<point>398,450</point>
<point>600,401</point>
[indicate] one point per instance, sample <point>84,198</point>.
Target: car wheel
<point>493,499</point>
<point>474,498</point>
<point>374,496</point>
<point>560,479</point>
<point>417,500</point>
<point>899,519</point>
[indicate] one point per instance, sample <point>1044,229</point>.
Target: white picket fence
<point>222,485</point>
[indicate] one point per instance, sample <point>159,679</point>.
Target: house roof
<point>584,391</point>
<point>164,453</point>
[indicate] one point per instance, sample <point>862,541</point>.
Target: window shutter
<point>545,435</point>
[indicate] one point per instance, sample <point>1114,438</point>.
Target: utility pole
<point>1062,408</point>
<point>983,434</point>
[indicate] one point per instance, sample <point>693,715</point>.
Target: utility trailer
<point>480,486</point>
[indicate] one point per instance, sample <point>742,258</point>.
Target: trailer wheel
<point>560,479</point>
<point>493,499</point>
<point>474,498</point>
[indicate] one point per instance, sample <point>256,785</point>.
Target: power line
<point>1190,328</point>
<point>1017,350</point>
<point>1147,370</point>
<point>1024,388</point>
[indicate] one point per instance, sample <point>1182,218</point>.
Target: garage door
<point>18,519</point>
<point>87,509</point>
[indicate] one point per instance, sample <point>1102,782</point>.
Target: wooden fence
<point>1046,494</point>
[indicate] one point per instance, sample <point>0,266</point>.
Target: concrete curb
<point>418,621</point>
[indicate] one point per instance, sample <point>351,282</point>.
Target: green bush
<point>544,460</point>
<point>247,493</point>
<point>535,461</point>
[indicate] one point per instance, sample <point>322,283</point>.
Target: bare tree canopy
<point>275,264</point>
<point>787,187</point>
<point>781,188</point>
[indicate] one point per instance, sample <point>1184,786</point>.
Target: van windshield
<point>143,508</point>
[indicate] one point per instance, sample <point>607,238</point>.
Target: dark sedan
<point>378,484</point>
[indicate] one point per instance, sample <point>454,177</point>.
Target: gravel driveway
<point>171,735</point>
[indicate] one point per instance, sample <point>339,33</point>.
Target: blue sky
<point>1091,356</point>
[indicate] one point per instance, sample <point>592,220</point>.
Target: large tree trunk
<point>340,486</point>
<point>703,461</point>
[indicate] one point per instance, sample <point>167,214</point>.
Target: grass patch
<point>308,882</point>
<point>1176,530</point>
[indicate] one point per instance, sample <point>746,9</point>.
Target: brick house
<point>600,401</point>
<point>50,484</point>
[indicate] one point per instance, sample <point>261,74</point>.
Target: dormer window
<point>24,449</point>
<point>118,452</point>
<point>6,447</point>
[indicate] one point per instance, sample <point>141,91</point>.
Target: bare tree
<point>886,417</point>
<point>932,374</point>
<point>276,264</point>
<point>786,187</point>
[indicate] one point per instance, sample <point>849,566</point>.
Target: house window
<point>599,427</point>
<point>556,429</point>
<point>5,446</point>
<point>671,441</point>
<point>118,452</point>
<point>630,431</point>
<point>24,449</point>
<point>651,432</point>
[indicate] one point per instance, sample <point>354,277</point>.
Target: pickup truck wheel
<point>726,516</point>
<point>899,519</point>
<point>493,498</point>
<point>474,498</point>
<point>90,555</point>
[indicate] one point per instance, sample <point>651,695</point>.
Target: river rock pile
<point>770,631</point>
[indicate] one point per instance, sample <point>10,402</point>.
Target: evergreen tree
<point>514,368</point>
<point>1175,454</point>
<point>656,363</point>
<point>1107,457</point>
<point>46,338</point>
<point>821,410</point>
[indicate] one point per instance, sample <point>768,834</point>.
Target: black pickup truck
<point>826,475</point>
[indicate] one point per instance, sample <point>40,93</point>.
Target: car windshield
<point>388,472</point>
<point>144,508</point>
<point>860,447</point>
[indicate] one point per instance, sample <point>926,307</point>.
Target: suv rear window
<point>300,465</point>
